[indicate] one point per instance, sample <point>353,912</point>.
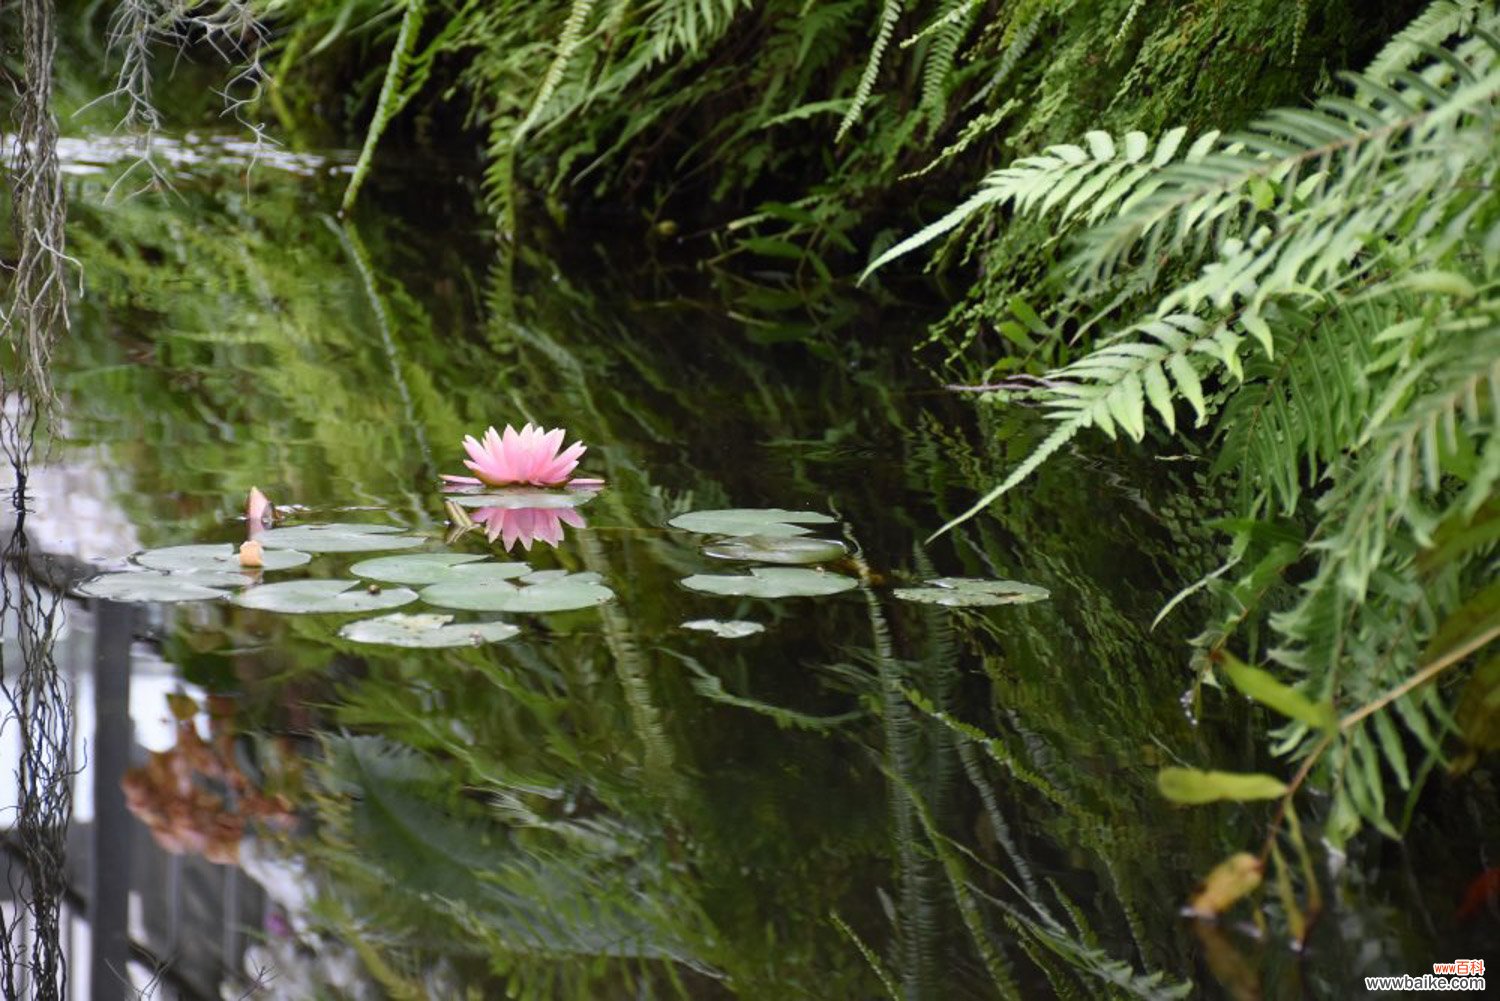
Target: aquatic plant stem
<point>1354,718</point>
<point>1424,675</point>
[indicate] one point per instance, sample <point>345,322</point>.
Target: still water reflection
<point>865,797</point>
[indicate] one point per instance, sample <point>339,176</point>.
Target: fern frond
<point>1010,58</point>
<point>1343,172</point>
<point>1298,410</point>
<point>393,95</point>
<point>1339,173</point>
<point>688,27</point>
<point>1065,177</point>
<point>947,33</point>
<point>1432,27</point>
<point>1086,958</point>
<point>567,45</point>
<point>1448,401</point>
<point>890,13</point>
<point>1131,13</point>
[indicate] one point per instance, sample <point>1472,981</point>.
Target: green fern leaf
<point>890,13</point>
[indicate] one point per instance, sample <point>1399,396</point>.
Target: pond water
<point>686,787</point>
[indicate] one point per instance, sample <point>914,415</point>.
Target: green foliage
<point>393,94</point>
<point>1320,289</point>
<point>730,126</point>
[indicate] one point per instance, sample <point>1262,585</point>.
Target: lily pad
<point>790,549</point>
<point>484,573</point>
<point>552,594</point>
<point>772,521</point>
<point>772,582</point>
<point>323,596</point>
<point>149,585</point>
<point>973,592</point>
<point>426,631</point>
<point>552,576</point>
<point>414,568</point>
<point>220,578</point>
<point>522,498</point>
<point>729,629</point>
<point>338,537</point>
<point>221,556</point>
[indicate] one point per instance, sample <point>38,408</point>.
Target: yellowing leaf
<point>1192,786</point>
<point>1471,621</point>
<point>1478,712</point>
<point>183,706</point>
<point>1231,879</point>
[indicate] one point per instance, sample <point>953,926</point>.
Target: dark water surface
<point>869,797</point>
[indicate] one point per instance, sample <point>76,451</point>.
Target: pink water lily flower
<point>530,455</point>
<point>526,524</point>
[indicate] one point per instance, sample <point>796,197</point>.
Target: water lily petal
<point>476,451</point>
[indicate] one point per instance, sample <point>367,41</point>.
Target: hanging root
<point>34,699</point>
<point>37,310</point>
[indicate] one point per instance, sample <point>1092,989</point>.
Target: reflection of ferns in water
<point>399,847</point>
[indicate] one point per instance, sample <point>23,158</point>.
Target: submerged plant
<point>530,456</point>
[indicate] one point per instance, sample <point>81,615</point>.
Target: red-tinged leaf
<point>1483,893</point>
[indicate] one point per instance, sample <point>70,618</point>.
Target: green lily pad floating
<point>220,578</point>
<point>790,549</point>
<point>335,597</point>
<point>413,568</point>
<point>729,629</point>
<point>221,557</point>
<point>772,582</point>
<point>426,631</point>
<point>338,537</point>
<point>550,594</point>
<point>549,576</point>
<point>973,592</point>
<point>150,585</point>
<point>520,498</point>
<point>770,521</point>
<point>486,573</point>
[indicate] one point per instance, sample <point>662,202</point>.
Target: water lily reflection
<point>526,524</point>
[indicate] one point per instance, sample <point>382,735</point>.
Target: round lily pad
<point>553,594</point>
<point>323,596</point>
<point>772,582</point>
<point>426,630</point>
<point>790,549</point>
<point>220,556</point>
<point>413,568</point>
<point>149,585</point>
<point>338,537</point>
<point>520,499</point>
<point>749,521</point>
<point>973,592</point>
<point>729,629</point>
